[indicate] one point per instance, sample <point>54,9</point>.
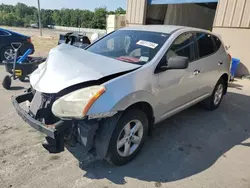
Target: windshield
<point>130,46</point>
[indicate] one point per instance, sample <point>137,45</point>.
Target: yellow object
<point>18,72</point>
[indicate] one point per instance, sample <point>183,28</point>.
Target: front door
<point>177,88</point>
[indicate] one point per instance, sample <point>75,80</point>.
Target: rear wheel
<point>7,53</point>
<point>213,102</point>
<point>128,137</point>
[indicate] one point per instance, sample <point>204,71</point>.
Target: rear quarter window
<point>205,44</point>
<point>3,33</point>
<point>217,42</point>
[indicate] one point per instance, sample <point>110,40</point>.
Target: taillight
<point>230,57</point>
<point>29,40</point>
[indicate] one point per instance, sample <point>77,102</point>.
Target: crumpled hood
<point>67,66</point>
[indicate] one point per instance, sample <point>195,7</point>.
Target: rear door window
<point>205,44</point>
<point>217,42</point>
<point>3,33</point>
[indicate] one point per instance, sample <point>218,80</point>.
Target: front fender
<point>125,91</point>
<point>135,97</point>
<point>109,103</point>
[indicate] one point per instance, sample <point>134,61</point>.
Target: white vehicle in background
<point>35,25</point>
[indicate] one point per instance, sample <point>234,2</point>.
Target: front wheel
<point>213,102</point>
<point>128,137</point>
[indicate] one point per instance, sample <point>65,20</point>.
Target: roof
<point>168,29</point>
<point>155,28</point>
<point>12,32</point>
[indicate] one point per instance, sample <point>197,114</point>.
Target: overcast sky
<point>81,4</point>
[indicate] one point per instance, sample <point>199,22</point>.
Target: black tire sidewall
<point>113,155</point>
<point>6,82</point>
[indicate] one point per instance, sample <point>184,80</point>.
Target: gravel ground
<point>193,149</point>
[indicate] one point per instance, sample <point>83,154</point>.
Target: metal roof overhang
<point>158,2</point>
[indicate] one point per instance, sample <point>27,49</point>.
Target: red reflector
<point>29,40</point>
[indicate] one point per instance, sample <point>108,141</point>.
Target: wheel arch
<point>147,109</point>
<point>107,126</point>
<point>225,78</point>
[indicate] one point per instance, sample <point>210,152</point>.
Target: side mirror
<point>178,62</point>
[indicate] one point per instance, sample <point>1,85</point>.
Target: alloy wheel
<point>130,138</point>
<point>218,94</point>
<point>9,54</point>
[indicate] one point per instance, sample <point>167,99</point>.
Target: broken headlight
<point>77,103</point>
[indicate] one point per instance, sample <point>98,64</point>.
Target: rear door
<point>208,62</point>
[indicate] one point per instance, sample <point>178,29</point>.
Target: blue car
<point>6,38</point>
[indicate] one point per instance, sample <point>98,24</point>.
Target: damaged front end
<point>64,89</point>
<point>58,131</point>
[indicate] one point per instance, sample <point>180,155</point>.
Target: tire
<point>6,82</point>
<point>119,156</point>
<point>210,103</point>
<point>2,53</point>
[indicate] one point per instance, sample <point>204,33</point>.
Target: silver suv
<point>109,96</point>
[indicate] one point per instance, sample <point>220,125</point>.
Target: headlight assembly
<point>77,103</point>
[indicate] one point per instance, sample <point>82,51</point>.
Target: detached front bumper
<point>52,131</point>
<point>69,131</point>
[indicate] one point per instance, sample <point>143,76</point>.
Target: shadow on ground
<point>234,85</point>
<point>183,145</point>
<point>14,88</point>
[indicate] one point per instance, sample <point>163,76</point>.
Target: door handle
<point>196,72</point>
<point>220,63</point>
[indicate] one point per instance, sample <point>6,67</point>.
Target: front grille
<point>48,97</point>
<point>41,106</point>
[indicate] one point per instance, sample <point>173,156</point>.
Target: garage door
<point>155,2</point>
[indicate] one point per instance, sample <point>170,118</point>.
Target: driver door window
<point>183,46</point>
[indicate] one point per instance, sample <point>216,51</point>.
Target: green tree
<point>66,17</point>
<point>99,19</point>
<point>120,11</point>
<point>86,18</point>
<point>11,19</point>
<point>47,17</point>
<point>23,15</point>
<point>57,17</point>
